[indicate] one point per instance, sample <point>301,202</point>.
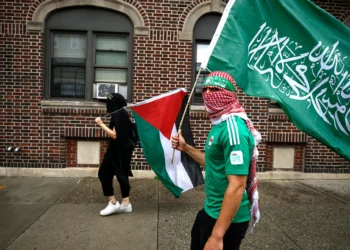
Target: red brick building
<point>57,56</point>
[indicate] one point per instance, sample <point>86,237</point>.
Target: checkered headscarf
<point>223,101</point>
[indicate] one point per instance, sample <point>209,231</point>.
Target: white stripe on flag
<point>176,171</point>
<point>217,33</point>
<point>172,92</point>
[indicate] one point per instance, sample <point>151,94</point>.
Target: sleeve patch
<point>236,157</point>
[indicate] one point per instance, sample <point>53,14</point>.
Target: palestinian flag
<point>157,119</point>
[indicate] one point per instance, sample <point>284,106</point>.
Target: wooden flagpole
<point>184,113</point>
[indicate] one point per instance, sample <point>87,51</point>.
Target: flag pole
<point>185,110</point>
<point>118,110</point>
<point>114,112</point>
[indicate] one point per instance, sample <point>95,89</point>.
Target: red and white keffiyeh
<point>222,104</point>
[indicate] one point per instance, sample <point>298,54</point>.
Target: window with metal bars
<point>81,53</point>
<point>68,64</point>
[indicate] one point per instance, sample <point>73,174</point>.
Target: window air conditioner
<point>102,90</point>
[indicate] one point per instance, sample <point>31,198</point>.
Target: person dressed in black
<point>117,159</point>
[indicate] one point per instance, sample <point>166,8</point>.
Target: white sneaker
<point>110,209</point>
<point>125,209</point>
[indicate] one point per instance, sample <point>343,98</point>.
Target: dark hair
<point>114,102</point>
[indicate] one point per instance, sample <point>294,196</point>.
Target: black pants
<point>117,165</point>
<point>203,226</point>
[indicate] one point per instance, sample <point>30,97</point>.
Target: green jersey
<point>228,151</point>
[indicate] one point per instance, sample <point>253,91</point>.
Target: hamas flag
<point>157,119</point>
<point>295,53</point>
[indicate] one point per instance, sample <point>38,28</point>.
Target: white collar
<point>224,117</point>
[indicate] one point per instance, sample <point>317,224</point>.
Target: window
<point>347,22</point>
<point>111,62</point>
<point>68,65</point>
<point>201,50</point>
<point>204,30</point>
<point>87,58</point>
<point>274,104</point>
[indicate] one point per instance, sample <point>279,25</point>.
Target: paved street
<point>63,213</point>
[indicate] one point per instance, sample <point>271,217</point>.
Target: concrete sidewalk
<point>63,213</point>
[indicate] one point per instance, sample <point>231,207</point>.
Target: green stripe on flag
<point>154,153</point>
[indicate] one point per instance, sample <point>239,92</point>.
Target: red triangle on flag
<point>161,112</point>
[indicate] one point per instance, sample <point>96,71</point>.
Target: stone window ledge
<point>72,104</point>
<point>197,108</point>
<point>57,106</point>
<point>276,110</point>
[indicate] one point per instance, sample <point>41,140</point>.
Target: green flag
<point>295,53</point>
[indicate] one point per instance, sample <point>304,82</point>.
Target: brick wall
<point>21,75</point>
<point>340,9</point>
<point>162,62</point>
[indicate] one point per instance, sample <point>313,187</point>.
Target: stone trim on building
<point>36,17</point>
<point>190,16</point>
<point>86,133</point>
<point>285,137</point>
<point>33,165</point>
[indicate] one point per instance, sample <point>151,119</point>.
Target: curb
<point>65,172</point>
<point>92,172</point>
<point>287,175</point>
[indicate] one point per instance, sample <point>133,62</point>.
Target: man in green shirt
<point>230,164</point>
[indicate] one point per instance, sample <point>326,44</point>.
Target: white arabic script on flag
<point>318,76</point>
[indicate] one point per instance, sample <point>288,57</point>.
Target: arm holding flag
<point>178,142</point>
<point>117,158</point>
<point>109,132</point>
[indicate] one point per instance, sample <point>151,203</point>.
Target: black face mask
<point>114,102</point>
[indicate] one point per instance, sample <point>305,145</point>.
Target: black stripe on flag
<point>192,167</point>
